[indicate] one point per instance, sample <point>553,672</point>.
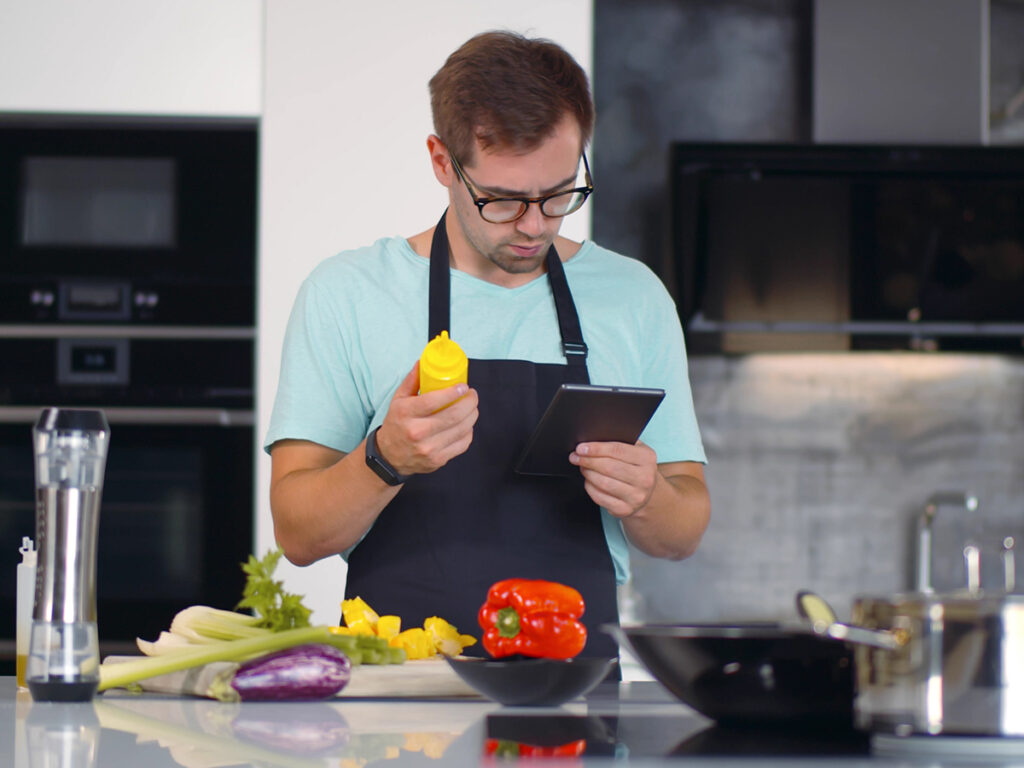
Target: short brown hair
<point>503,89</point>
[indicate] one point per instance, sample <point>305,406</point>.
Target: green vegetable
<point>202,625</point>
<point>277,608</point>
<point>358,648</point>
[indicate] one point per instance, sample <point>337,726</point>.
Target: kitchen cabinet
<point>188,58</point>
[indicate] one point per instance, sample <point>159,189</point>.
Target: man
<point>419,491</point>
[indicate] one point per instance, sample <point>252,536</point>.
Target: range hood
<point>836,247</point>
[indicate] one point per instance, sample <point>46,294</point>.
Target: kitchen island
<point>637,723</point>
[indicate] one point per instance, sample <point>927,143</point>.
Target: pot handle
<point>817,610</point>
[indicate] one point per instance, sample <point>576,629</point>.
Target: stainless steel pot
<point>959,671</point>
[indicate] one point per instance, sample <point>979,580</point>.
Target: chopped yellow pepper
<point>416,642</point>
<point>360,626</point>
<point>436,635</point>
<point>388,626</point>
<point>445,637</point>
<point>355,610</point>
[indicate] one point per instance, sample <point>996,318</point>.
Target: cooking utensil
<point>749,675</point>
<point>960,672</point>
<point>532,682</point>
<point>817,610</point>
<point>930,663</point>
<point>961,669</point>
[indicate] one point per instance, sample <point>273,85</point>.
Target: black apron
<point>448,535</point>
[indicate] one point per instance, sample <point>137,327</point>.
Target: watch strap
<point>379,464</point>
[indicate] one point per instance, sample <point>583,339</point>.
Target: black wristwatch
<point>377,463</point>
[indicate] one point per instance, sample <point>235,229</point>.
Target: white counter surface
<point>631,723</point>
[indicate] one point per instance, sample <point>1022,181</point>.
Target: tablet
<point>586,412</point>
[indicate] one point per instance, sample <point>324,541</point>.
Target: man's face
<point>504,253</point>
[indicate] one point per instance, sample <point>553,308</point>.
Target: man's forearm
<point>322,511</point>
<point>673,521</point>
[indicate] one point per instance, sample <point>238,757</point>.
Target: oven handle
<point>216,417</point>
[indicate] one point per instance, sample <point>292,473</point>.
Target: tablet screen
<point>586,412</point>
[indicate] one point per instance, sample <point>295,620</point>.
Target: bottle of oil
<point>26,599</point>
<point>443,364</point>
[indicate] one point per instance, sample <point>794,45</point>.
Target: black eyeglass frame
<point>480,201</point>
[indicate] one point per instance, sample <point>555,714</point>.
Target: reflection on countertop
<point>637,723</point>
<point>153,730</point>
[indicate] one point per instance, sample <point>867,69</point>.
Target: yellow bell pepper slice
<point>416,642</point>
<point>356,610</point>
<point>445,637</point>
<point>389,626</point>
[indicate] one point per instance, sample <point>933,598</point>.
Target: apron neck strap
<point>573,346</point>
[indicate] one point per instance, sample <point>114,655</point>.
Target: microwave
<point>128,223</point>
<point>847,247</point>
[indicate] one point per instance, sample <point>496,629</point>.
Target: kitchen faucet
<point>966,501</point>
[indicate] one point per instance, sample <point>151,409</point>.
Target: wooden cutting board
<point>422,678</point>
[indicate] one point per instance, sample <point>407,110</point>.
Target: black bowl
<point>752,674</point>
<point>532,682</point>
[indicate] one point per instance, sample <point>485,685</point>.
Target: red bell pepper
<point>533,618</point>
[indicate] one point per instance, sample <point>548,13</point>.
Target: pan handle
<point>817,610</point>
<point>875,638</point>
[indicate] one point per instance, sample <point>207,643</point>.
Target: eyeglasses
<point>502,210</point>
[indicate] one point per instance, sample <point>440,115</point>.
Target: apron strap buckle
<point>574,351</point>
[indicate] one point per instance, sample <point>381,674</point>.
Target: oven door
<point>175,518</point>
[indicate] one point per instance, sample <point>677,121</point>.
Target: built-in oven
<point>176,515</point>
<point>127,223</point>
<point>127,283</point>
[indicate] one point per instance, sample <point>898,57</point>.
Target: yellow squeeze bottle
<point>442,364</point>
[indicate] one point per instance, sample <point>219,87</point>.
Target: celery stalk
<point>124,673</point>
<point>203,624</point>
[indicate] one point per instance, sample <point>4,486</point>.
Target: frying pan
<point>752,674</point>
<point>909,664</point>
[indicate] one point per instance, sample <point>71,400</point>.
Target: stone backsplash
<point>819,466</point>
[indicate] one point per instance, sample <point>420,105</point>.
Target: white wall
<point>346,114</point>
<point>129,57</point>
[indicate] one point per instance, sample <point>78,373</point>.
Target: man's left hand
<point>617,476</point>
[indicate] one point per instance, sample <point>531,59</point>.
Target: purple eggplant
<point>314,671</point>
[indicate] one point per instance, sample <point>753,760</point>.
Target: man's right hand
<point>422,433</point>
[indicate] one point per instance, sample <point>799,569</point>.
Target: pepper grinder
<point>70,452</point>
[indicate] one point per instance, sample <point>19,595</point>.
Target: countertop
<point>636,723</point>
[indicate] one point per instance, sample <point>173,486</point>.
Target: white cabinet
<point>132,57</point>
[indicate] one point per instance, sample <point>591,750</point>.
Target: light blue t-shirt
<point>359,324</point>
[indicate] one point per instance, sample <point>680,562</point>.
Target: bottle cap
<point>443,356</point>
<point>28,552</point>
